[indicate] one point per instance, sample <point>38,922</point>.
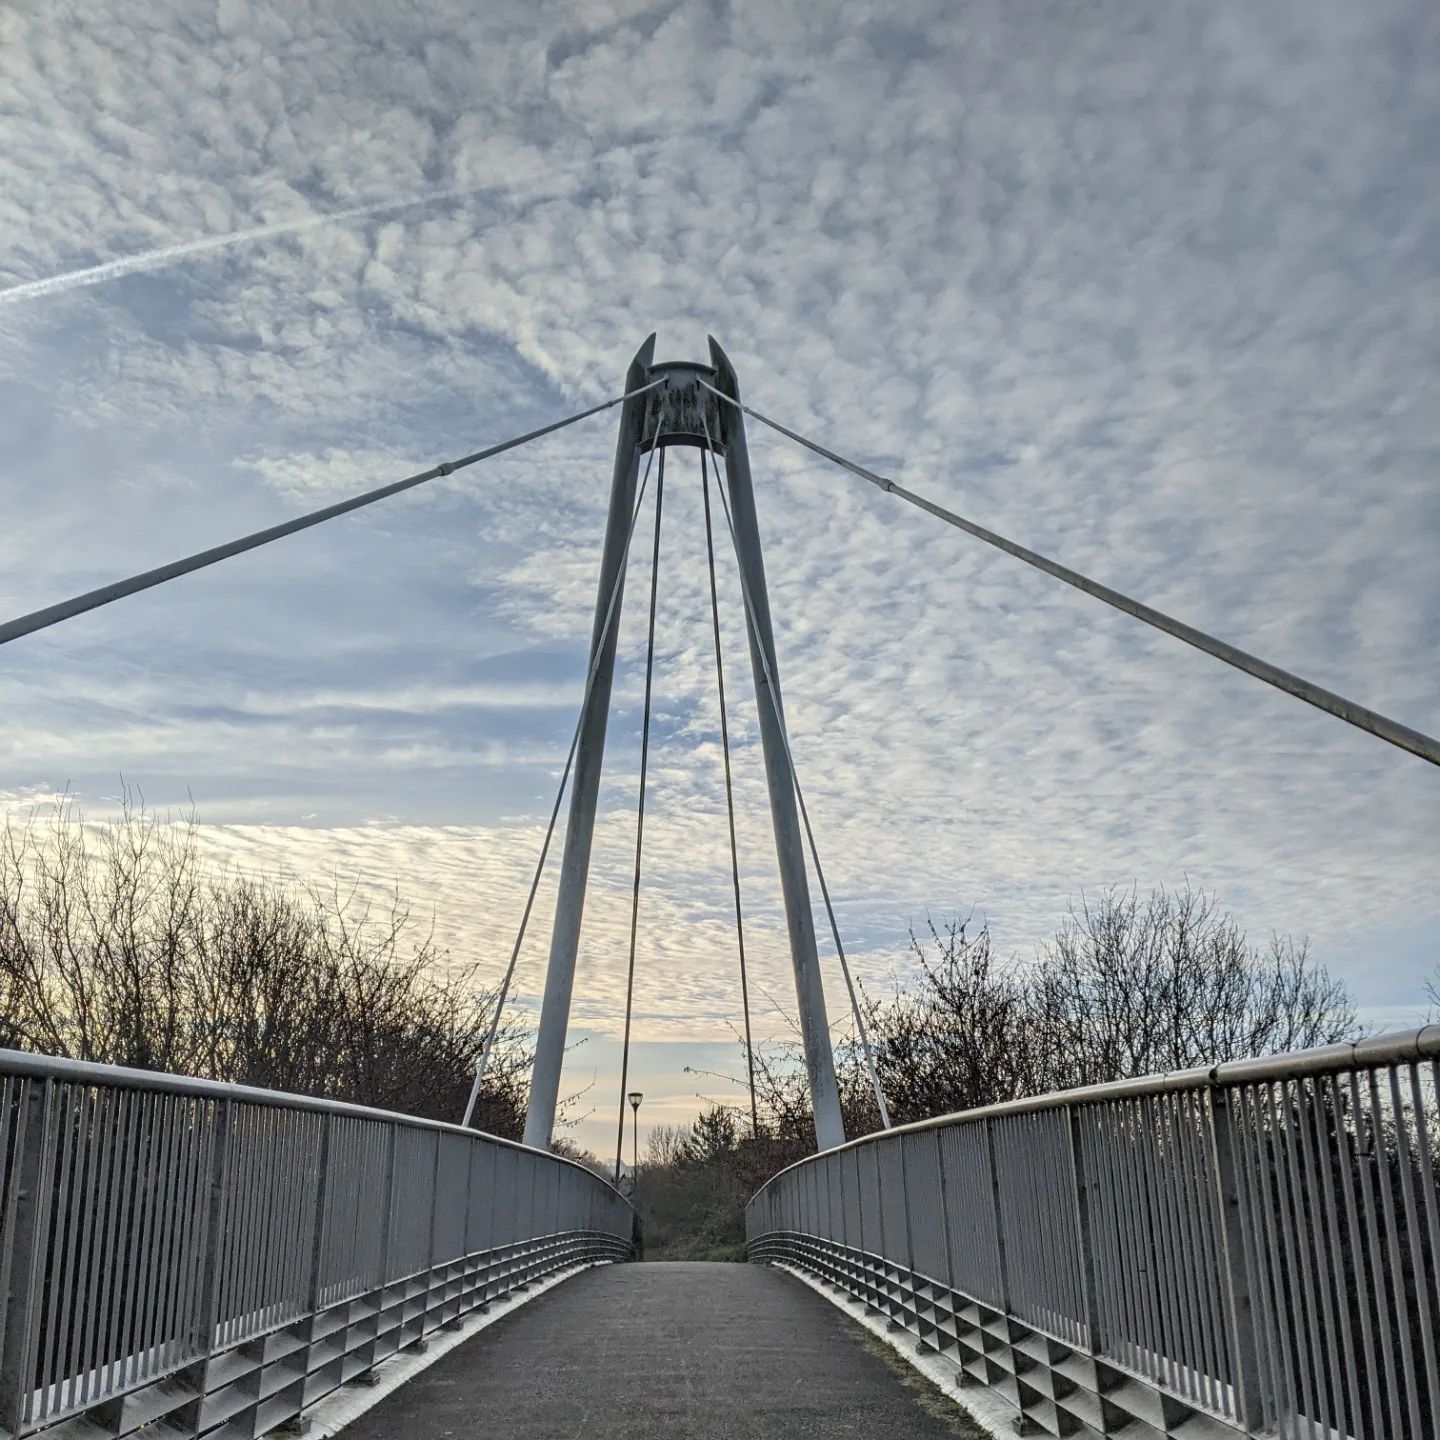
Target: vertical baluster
<point>1397,1271</point>
<point>1359,1284</point>
<point>1101,1221</point>
<point>1080,1191</point>
<point>48,1375</point>
<point>91,1203</point>
<point>316,1266</point>
<point>1405,1165</point>
<point>1308,1202</point>
<point>1309,1392</point>
<point>1245,1356</point>
<point>1427,1297</point>
<point>1333,1270</point>
<point>23,1264</point>
<point>124,1260</point>
<point>1002,1269</point>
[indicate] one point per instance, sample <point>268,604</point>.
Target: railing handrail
<point>1393,1047</point>
<point>90,1072</point>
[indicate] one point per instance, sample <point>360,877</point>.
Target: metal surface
<point>1427,747</point>
<point>207,1259</point>
<point>1247,1250</point>
<point>640,820</point>
<point>789,843</point>
<point>729,790</point>
<point>771,689</point>
<point>119,589</point>
<point>679,408</point>
<point>589,758</point>
<point>498,1011</point>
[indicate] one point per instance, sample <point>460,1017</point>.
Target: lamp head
<point>634,1097</point>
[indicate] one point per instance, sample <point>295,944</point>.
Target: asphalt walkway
<point>680,1351</point>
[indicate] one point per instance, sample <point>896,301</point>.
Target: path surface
<point>679,1351</point>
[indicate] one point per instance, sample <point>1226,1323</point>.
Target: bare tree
<point>563,1145</point>
<point>117,945</point>
<point>1135,987</point>
<point>959,1038</point>
<point>1127,987</point>
<point>664,1143</point>
<point>691,1193</point>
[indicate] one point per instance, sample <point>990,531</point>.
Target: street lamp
<point>635,1097</point>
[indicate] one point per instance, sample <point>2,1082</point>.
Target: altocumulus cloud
<point>1151,290</point>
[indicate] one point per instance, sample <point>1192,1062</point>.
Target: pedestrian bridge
<point>1249,1250</point>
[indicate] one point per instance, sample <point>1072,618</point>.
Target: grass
<point>928,1395</point>
<point>725,1254</point>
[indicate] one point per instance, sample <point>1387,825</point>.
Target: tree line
<point>1129,985</point>
<point>119,945</point>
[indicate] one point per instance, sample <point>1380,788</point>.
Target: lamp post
<point>635,1097</point>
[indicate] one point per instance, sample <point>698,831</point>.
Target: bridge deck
<point>705,1352</point>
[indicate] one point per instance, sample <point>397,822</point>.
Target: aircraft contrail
<point>168,254</point>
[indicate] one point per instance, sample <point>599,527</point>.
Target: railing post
<point>207,1302</point>
<point>1001,1266</point>
<point>1081,1183</point>
<point>1249,1404</point>
<point>434,1207</point>
<point>467,1246</point>
<point>943,1171</point>
<point>22,1269</point>
<point>388,1210</point>
<point>905,1198</point>
<point>317,1240</point>
<point>204,1316</point>
<point>492,1201</point>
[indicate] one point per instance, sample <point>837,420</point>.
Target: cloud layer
<point>1151,291</point>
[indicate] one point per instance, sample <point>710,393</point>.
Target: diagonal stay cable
<point>773,692</point>
<point>119,589</point>
<point>1427,747</point>
<point>640,810</point>
<point>598,647</point>
<point>729,793</point>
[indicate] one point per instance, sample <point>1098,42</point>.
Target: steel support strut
<point>589,756</point>
<point>789,840</point>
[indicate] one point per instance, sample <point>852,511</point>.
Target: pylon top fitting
<point>679,411</point>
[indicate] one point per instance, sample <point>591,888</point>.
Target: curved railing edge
<point>54,1067</point>
<point>1393,1047</point>
<point>145,1273</point>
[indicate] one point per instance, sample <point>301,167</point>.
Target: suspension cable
<point>773,692</point>
<point>599,646</point>
<point>640,806</point>
<point>1427,747</point>
<point>729,794</point>
<point>119,589</point>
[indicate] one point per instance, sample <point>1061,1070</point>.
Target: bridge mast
<point>681,412</point>
<point>789,842</point>
<point>589,755</point>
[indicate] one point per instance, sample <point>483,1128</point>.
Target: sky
<point>1151,289</point>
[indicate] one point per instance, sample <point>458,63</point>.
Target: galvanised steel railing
<point>1247,1250</point>
<point>211,1259</point>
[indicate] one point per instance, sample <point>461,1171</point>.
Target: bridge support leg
<point>789,840</point>
<point>585,783</point>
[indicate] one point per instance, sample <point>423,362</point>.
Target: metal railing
<point>1247,1250</point>
<point>211,1259</point>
